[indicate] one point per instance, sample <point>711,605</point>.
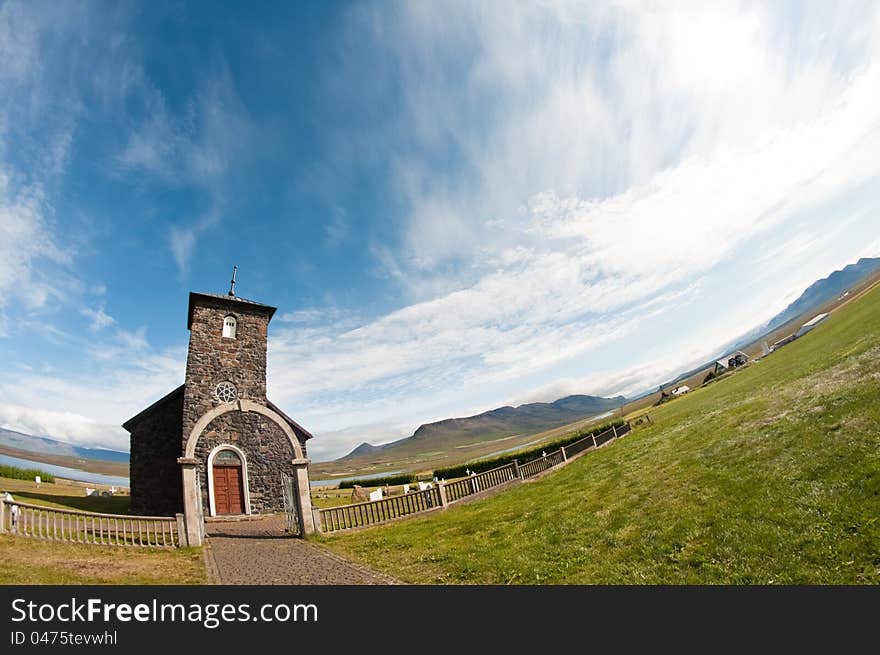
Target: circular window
<point>226,392</point>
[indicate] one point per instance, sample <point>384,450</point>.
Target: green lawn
<point>25,560</point>
<point>769,476</point>
<point>64,496</point>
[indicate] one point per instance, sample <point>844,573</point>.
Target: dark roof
<point>296,426</point>
<point>232,300</point>
<point>164,399</point>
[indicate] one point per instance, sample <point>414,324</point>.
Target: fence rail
<point>53,524</point>
<point>378,511</point>
<point>604,437</point>
<point>375,512</point>
<point>581,446</point>
<point>536,466</point>
<point>474,484</point>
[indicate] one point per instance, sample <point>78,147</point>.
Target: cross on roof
<point>232,282</point>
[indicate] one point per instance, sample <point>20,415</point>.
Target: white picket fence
<point>54,524</point>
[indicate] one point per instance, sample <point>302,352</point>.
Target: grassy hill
<point>769,476</point>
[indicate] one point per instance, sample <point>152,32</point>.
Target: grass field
<point>31,561</point>
<point>65,496</point>
<point>25,560</point>
<point>769,476</point>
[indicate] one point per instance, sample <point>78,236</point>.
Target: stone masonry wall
<point>156,484</point>
<point>213,359</point>
<point>267,451</point>
<point>242,361</point>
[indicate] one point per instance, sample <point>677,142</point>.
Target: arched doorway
<point>189,464</point>
<point>228,492</point>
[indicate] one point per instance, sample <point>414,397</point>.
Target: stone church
<point>216,445</point>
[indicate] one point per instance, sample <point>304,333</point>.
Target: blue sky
<point>453,205</point>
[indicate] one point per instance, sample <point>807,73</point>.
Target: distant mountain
<point>364,449</point>
<point>817,294</point>
<point>495,424</point>
<point>826,289</point>
<point>21,441</point>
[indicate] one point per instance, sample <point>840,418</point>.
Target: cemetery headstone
<point>358,495</point>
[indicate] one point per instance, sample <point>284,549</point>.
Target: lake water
<point>371,476</point>
<point>65,472</point>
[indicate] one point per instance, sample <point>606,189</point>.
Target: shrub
<point>17,473</point>
<point>379,482</point>
<point>480,465</point>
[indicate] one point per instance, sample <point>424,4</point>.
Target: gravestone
<point>358,495</point>
<point>376,495</point>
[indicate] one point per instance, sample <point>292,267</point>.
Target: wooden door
<point>228,485</point>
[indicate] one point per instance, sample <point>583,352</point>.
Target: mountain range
<point>495,424</point>
<point>45,445</point>
<point>814,297</point>
<point>825,290</point>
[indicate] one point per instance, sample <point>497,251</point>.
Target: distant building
<point>732,361</point>
<point>680,391</point>
<point>783,342</point>
<point>809,325</point>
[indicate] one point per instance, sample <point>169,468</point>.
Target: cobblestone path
<point>258,552</point>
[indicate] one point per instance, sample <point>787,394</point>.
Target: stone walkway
<point>258,552</point>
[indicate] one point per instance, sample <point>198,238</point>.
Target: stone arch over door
<point>191,499</point>
<point>241,406</point>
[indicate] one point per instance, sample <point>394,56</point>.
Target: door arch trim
<point>212,506</point>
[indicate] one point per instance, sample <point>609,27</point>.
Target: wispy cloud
<point>99,318</point>
<point>336,228</point>
<point>122,375</point>
<point>201,147</point>
<point>39,111</point>
<point>563,186</point>
<point>606,158</point>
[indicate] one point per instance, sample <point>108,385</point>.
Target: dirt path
<point>257,552</point>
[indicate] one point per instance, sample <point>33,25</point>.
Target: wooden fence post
<point>2,515</point>
<point>564,456</point>
<point>614,431</point>
<point>441,489</point>
<point>316,515</point>
<point>593,437</point>
<point>181,531</point>
<point>516,471</point>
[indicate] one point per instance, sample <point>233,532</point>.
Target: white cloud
<point>123,376</point>
<point>182,241</point>
<point>606,159</point>
<point>70,427</point>
<point>569,180</point>
<point>29,256</point>
<point>99,318</point>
